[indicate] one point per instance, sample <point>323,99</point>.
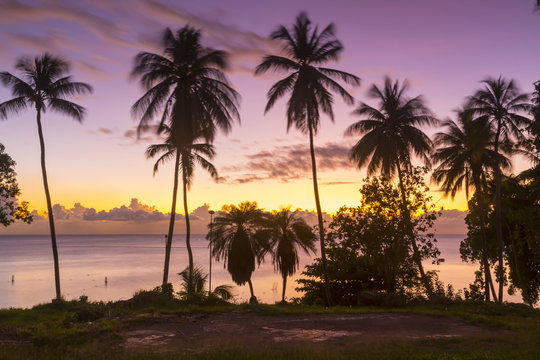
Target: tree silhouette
<point>10,209</point>
<point>186,87</point>
<point>390,137</point>
<point>464,156</point>
<point>310,86</point>
<point>288,233</point>
<point>45,86</point>
<point>238,238</point>
<point>500,100</point>
<point>186,156</point>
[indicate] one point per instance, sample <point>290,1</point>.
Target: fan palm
<point>187,89</point>
<point>501,101</point>
<point>310,86</point>
<point>288,233</point>
<point>238,238</point>
<point>44,85</point>
<point>464,156</point>
<point>186,156</point>
<point>390,137</point>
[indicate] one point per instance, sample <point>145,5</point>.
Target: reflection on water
<point>133,262</point>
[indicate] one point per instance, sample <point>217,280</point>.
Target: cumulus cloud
<point>133,218</point>
<point>287,163</point>
<point>135,212</point>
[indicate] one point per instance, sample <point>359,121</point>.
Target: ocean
<point>134,262</point>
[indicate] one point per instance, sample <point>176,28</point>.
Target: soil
<point>197,332</point>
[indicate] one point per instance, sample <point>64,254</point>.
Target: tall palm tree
<point>187,89</point>
<point>501,101</point>
<point>288,233</point>
<point>464,155</point>
<point>186,156</point>
<point>238,238</point>
<point>310,86</point>
<point>390,137</point>
<point>44,85</point>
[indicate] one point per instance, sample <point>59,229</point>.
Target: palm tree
<point>186,87</point>
<point>193,286</point>
<point>464,156</point>
<point>310,86</point>
<point>500,100</point>
<point>186,155</point>
<point>238,238</point>
<point>44,85</point>
<point>390,137</point>
<point>288,233</point>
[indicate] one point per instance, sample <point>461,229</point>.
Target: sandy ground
<point>195,332</point>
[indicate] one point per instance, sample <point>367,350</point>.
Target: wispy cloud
<point>288,163</point>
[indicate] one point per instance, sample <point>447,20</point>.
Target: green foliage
<point>10,210</point>
<point>238,239</point>
<point>159,296</point>
<point>521,235</point>
<point>194,288</point>
<point>368,247</point>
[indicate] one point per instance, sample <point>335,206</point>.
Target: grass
<point>83,330</point>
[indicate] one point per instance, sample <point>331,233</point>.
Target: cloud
<point>14,11</point>
<point>245,47</point>
<point>148,135</point>
<point>106,131</point>
<point>288,163</point>
<point>339,182</point>
<point>134,212</point>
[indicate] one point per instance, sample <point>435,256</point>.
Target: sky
<point>98,174</point>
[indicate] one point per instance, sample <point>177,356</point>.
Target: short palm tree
<point>186,156</point>
<point>44,85</point>
<point>194,283</point>
<point>390,138</point>
<point>501,101</point>
<point>238,238</point>
<point>464,155</point>
<point>310,86</point>
<point>187,89</point>
<point>289,232</point>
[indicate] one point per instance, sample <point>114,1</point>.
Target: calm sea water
<point>134,262</point>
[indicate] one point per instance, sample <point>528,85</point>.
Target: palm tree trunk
<point>481,208</point>
<point>251,290</point>
<point>171,222</point>
<point>49,207</point>
<point>284,287</point>
<point>416,254</point>
<point>188,227</point>
<point>319,216</point>
<point>524,290</point>
<point>498,215</point>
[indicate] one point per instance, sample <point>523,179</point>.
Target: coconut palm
<point>186,88</point>
<point>390,137</point>
<point>501,101</point>
<point>186,156</point>
<point>289,232</point>
<point>44,85</point>
<point>193,286</point>
<point>238,238</point>
<point>464,155</point>
<point>310,86</point>
<point>535,112</point>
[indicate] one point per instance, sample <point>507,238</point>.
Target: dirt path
<point>195,332</point>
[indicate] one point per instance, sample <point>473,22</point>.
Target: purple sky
<point>444,48</point>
